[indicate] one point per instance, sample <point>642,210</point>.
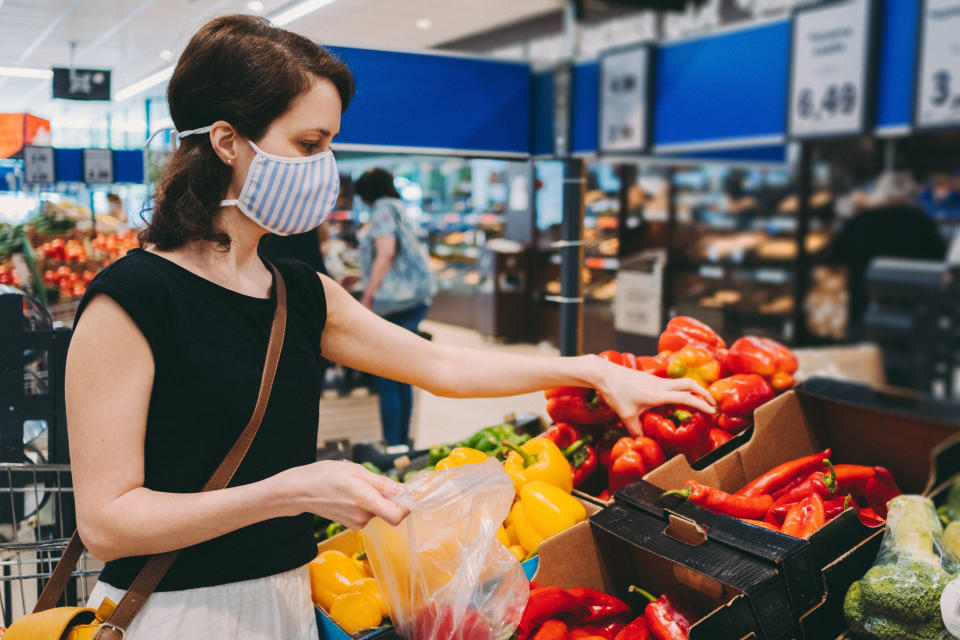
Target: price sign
<point>97,166</point>
<point>938,81</point>
<point>830,83</point>
<point>38,165</point>
<point>624,78</point>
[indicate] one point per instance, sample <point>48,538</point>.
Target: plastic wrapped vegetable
<point>442,571</point>
<point>899,597</point>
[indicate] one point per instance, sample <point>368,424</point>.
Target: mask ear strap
<point>155,134</point>
<point>190,132</point>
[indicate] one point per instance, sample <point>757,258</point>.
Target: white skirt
<point>271,608</point>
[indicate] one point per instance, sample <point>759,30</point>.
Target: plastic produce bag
<point>442,571</point>
<point>899,598</point>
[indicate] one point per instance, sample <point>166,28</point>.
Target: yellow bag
<point>61,623</point>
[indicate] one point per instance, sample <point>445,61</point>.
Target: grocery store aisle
<point>438,419</point>
<point>435,420</point>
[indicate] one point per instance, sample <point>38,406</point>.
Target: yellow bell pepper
<point>502,536</point>
<point>355,611</point>
<point>461,456</point>
<point>360,561</point>
<point>518,552</point>
<point>369,587</point>
<point>542,511</point>
<point>332,574</point>
<point>538,459</point>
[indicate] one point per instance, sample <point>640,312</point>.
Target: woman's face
<point>305,129</point>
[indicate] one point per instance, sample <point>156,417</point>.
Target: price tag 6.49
<point>829,74</point>
<point>938,84</point>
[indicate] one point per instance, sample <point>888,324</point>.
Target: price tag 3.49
<point>938,86</point>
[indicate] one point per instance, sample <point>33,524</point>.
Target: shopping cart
<point>36,521</point>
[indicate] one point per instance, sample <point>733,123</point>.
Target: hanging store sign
<point>38,166</point>
<point>624,97</point>
<point>938,76</point>
<point>81,84</point>
<point>831,76</point>
<point>98,166</point>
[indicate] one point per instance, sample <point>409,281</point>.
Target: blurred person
<point>398,286</point>
<point>165,361</point>
<point>885,224</point>
<point>115,219</point>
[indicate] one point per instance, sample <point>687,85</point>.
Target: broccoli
<point>906,591</point>
<point>854,610</point>
<point>887,629</point>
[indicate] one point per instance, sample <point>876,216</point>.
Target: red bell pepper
<point>737,398</point>
<point>880,490</point>
<point>764,357</point>
<point>613,356</point>
<point>694,362</point>
<point>545,603</point>
<point>678,431</point>
<point>578,405</point>
<point>561,434</point>
<point>633,458</point>
<point>683,330</point>
<point>784,475</point>
<point>667,616</point>
<point>583,459</point>
<point>718,438</point>
<point>636,630</point>
<point>719,501</point>
<point>656,365</point>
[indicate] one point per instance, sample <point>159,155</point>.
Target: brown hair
<point>243,70</point>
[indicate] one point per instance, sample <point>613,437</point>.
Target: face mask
<point>286,195</point>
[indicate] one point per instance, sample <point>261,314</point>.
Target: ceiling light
<point>24,72</point>
<point>255,5</point>
<point>166,54</point>
<point>142,85</point>
<point>297,11</point>
<point>424,23</point>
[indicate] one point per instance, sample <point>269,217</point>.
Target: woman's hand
<point>630,393</point>
<point>341,491</point>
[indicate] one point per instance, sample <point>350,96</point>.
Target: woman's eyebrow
<point>321,131</point>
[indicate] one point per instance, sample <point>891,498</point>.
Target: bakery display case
<point>735,255</point>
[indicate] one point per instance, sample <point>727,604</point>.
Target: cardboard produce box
<point>736,596</point>
<point>860,425</point>
<point>826,620</point>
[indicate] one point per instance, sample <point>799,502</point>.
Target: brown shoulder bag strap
<point>157,566</point>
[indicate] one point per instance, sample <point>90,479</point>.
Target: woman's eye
<point>310,147</point>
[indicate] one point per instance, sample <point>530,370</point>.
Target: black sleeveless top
<point>209,345</point>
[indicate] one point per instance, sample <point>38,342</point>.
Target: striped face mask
<point>286,195</point>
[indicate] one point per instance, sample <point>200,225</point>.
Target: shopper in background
<point>165,361</point>
<point>889,226</point>
<point>398,286</point>
<point>115,219</point>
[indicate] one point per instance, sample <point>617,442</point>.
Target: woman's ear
<point>224,139</point>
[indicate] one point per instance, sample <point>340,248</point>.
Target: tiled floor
<point>435,419</point>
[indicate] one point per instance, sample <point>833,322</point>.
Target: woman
<point>170,341</point>
<point>398,287</point>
